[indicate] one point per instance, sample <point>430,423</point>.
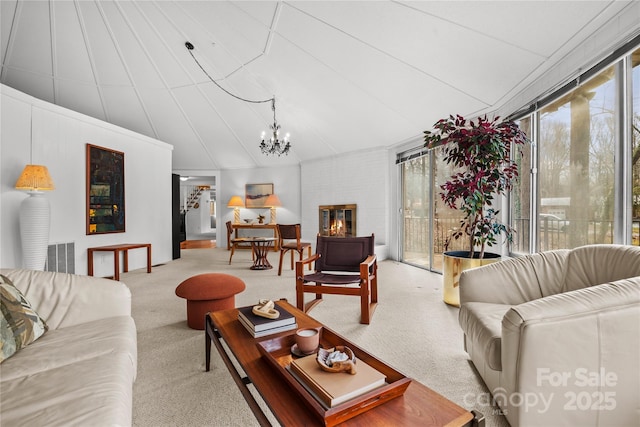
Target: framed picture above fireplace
<point>256,195</point>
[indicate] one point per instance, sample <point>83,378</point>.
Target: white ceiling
<point>347,75</point>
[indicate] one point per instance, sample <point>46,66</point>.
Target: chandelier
<point>273,145</point>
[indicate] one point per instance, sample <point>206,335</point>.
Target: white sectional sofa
<point>81,371</point>
<point>556,335</point>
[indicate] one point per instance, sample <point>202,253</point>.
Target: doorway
<point>198,207</point>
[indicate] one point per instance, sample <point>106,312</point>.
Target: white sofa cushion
<point>70,299</point>
<point>79,375</point>
<point>66,346</point>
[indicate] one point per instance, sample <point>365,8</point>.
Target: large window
<point>416,195</point>
<point>576,166</point>
<point>579,180</point>
<point>446,220</point>
<point>426,221</point>
<point>570,173</point>
<point>520,200</point>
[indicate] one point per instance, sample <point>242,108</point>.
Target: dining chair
<point>289,236</point>
<point>234,243</point>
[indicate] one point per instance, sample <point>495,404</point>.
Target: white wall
<point>59,141</point>
<point>359,177</point>
<point>286,185</point>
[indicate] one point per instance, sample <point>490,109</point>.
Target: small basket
<point>348,366</point>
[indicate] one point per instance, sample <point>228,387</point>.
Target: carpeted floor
<point>412,330</point>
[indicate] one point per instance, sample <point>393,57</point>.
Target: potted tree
<point>480,151</point>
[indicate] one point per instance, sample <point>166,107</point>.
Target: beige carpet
<point>412,330</point>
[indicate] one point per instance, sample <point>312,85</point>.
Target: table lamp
<point>35,215</point>
<point>272,202</point>
<point>236,203</point>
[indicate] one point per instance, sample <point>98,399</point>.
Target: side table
<point>261,246</point>
<point>116,249</point>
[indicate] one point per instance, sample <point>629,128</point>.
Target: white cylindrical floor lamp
<point>34,216</point>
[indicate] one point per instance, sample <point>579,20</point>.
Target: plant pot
<point>455,262</point>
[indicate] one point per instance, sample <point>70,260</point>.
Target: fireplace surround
<point>338,220</point>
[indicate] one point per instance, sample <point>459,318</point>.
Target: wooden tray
<point>277,352</point>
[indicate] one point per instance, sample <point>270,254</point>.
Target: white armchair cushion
<point>575,334</point>
<point>481,326</point>
<point>570,315</point>
<point>516,280</point>
<point>596,264</point>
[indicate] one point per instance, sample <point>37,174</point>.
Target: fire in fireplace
<point>338,220</point>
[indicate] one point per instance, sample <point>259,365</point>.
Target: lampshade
<point>272,201</point>
<point>35,178</point>
<point>35,216</point>
<point>235,202</point>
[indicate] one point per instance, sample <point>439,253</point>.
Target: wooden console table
<point>116,249</point>
<point>273,227</point>
<point>418,406</point>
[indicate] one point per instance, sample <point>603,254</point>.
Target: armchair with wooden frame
<point>343,266</point>
<point>289,236</point>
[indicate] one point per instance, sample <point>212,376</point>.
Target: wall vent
<point>61,258</point>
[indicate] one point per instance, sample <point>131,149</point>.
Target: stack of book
<point>331,388</point>
<point>259,326</point>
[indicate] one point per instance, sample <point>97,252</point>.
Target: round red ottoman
<point>208,292</point>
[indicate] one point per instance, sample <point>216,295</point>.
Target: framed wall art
<point>256,195</point>
<point>105,190</point>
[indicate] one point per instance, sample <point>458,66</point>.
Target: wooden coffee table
<point>418,406</point>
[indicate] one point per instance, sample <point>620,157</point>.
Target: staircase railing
<point>192,197</point>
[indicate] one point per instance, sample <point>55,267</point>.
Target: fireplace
<point>338,220</point>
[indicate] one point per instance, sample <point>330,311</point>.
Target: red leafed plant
<point>481,149</point>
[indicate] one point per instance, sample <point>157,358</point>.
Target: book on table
<point>334,388</point>
<point>260,326</point>
<point>265,332</point>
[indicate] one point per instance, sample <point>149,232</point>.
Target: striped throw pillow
<point>20,325</point>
